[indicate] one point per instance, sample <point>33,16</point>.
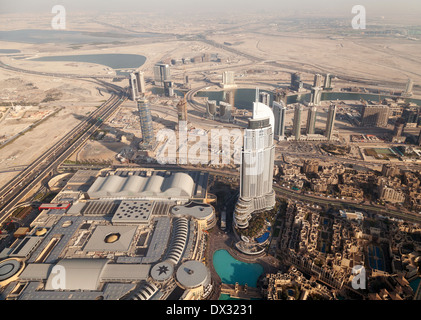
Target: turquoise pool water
<point>224,296</point>
<point>231,270</point>
<point>414,284</point>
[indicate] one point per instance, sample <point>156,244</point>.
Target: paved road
<point>407,216</point>
<point>329,158</point>
<point>284,192</point>
<point>20,186</point>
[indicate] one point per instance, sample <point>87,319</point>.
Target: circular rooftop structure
<point>162,271</point>
<point>192,274</point>
<point>111,238</point>
<point>8,268</point>
<point>40,232</point>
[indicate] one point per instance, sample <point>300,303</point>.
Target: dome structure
<point>111,238</point>
<point>40,232</point>
<point>193,274</point>
<point>80,274</point>
<point>162,271</point>
<point>10,269</point>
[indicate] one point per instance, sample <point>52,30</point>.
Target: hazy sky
<point>321,7</point>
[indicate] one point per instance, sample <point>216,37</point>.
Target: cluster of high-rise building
<point>137,92</point>
<point>399,112</point>
<point>223,112</point>
<point>137,84</point>
<point>319,84</point>
<point>206,57</point>
<point>311,121</point>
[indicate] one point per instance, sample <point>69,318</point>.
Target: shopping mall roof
<point>192,274</point>
<point>111,238</point>
<point>79,274</point>
<point>193,209</point>
<point>159,184</point>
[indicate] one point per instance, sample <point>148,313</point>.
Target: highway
<point>310,69</point>
<point>190,98</point>
<point>329,158</point>
<point>290,194</point>
<point>19,187</point>
<point>282,192</point>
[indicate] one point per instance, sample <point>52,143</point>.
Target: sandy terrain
<point>365,58</point>
<point>326,50</point>
<point>75,98</point>
<point>28,147</point>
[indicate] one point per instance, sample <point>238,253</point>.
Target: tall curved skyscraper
<point>257,161</point>
<point>145,123</point>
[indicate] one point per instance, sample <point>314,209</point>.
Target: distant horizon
<point>390,9</point>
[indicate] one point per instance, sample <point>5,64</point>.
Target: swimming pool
<point>414,284</point>
<point>225,296</point>
<point>231,270</point>
<point>376,258</point>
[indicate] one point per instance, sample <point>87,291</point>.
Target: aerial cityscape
<point>174,154</point>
